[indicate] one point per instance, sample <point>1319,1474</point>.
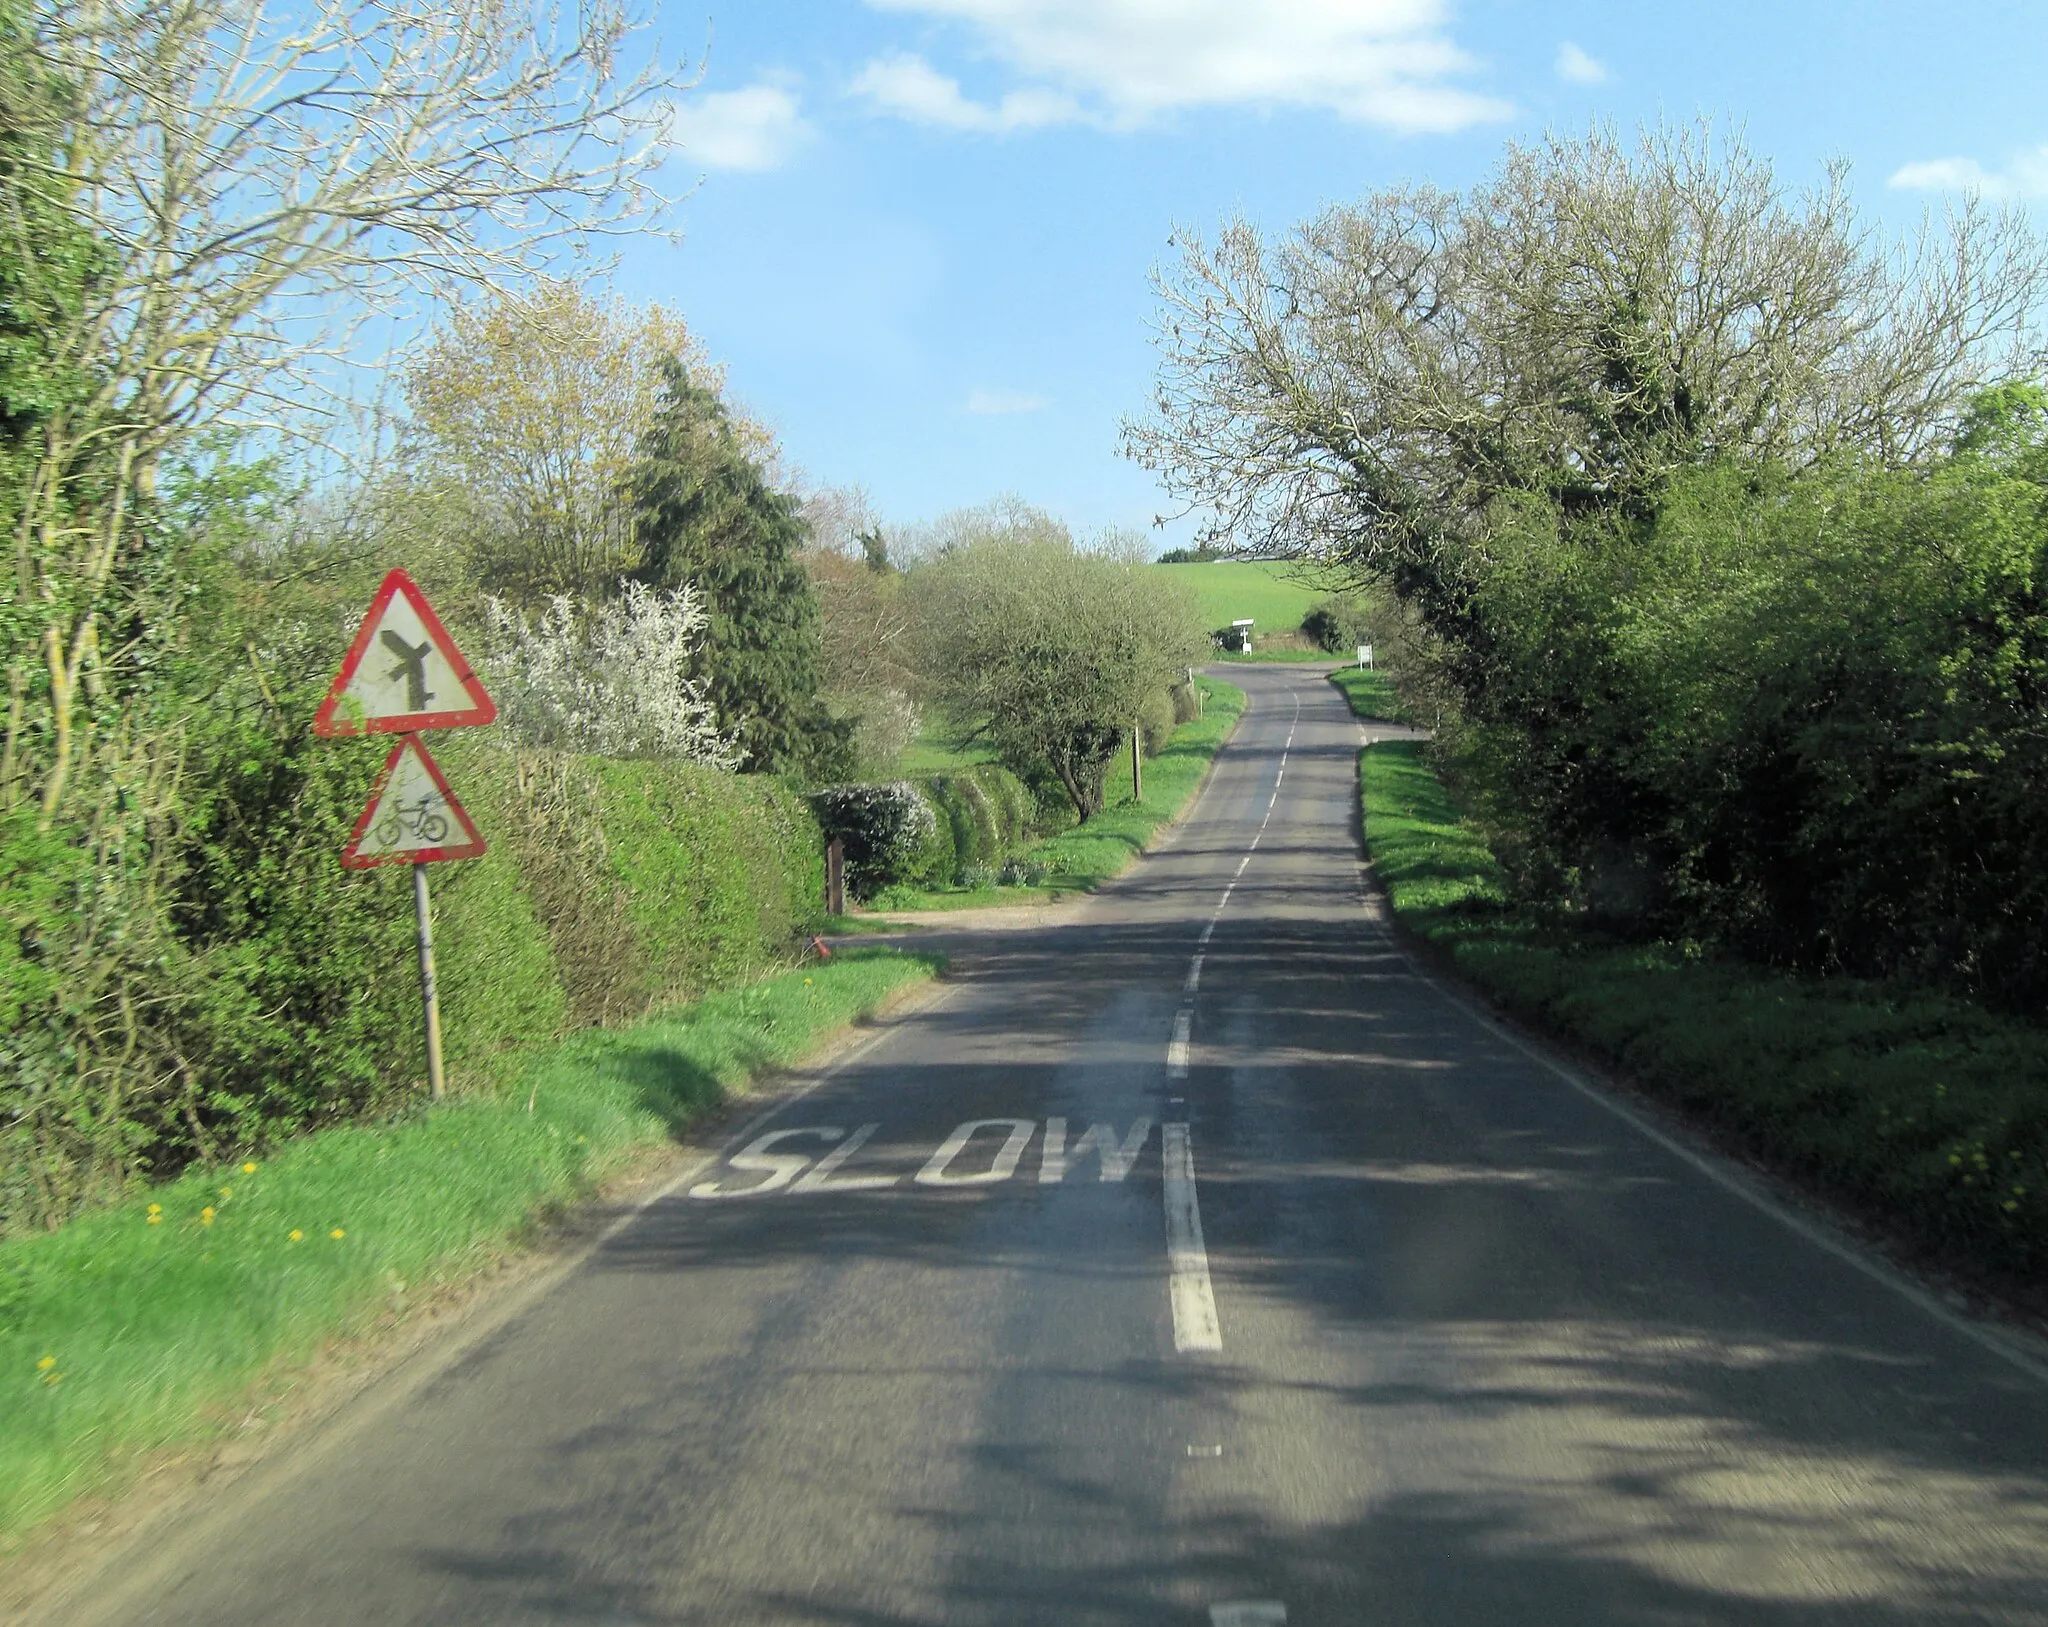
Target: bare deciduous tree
<point>258,177</point>
<point>1579,326</point>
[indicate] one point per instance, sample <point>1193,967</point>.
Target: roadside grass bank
<point>1083,857</point>
<point>1924,1114</point>
<point>933,753</point>
<point>1371,693</point>
<point>153,1324</point>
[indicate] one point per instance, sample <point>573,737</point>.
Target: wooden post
<point>835,876</point>
<point>1137,764</point>
<point>430,999</point>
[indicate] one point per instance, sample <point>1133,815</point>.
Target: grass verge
<point>1923,1113</point>
<point>1371,693</point>
<point>147,1326</point>
<point>1081,859</point>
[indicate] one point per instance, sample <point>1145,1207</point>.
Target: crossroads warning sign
<point>403,672</point>
<point>412,817</point>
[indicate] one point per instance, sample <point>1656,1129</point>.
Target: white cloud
<point>1575,64</point>
<point>2025,177</point>
<point>913,89</point>
<point>1122,63</point>
<point>997,403</point>
<point>752,129</point>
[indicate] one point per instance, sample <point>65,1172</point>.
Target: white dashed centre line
<point>1248,1613</point>
<point>1194,1302</point>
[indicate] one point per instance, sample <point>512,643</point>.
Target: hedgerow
<point>286,994</point>
<point>1925,1112</point>
<point>939,831</point>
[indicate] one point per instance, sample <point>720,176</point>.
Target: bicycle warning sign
<point>412,817</point>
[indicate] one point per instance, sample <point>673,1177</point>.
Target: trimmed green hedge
<point>979,816</point>
<point>1927,1113</point>
<point>986,815</point>
<point>285,994</point>
<point>611,887</point>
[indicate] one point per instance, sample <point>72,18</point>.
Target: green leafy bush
<point>890,831</point>
<point>285,990</point>
<point>1796,718</point>
<point>1337,625</point>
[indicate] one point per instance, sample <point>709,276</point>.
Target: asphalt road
<point>1102,1289</point>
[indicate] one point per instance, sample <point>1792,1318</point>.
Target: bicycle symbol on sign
<point>417,819</point>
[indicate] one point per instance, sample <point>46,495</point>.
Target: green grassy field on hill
<point>1274,594</point>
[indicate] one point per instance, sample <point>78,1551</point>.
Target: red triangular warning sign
<point>403,672</point>
<point>412,817</point>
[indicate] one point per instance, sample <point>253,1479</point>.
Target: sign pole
<point>835,876</point>
<point>430,998</point>
<point>1137,765</point>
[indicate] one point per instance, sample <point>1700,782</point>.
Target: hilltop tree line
<point>1718,526</point>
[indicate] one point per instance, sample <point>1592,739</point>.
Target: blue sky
<point>923,231</point>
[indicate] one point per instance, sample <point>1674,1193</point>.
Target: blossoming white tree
<point>613,682</point>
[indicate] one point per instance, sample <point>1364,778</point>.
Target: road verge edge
<point>1918,1117</point>
<point>174,1321</point>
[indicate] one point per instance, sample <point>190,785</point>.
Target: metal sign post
<point>1137,764</point>
<point>430,998</point>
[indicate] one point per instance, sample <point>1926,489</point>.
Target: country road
<point>1189,1258</point>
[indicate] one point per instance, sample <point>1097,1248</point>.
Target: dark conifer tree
<point>707,516</point>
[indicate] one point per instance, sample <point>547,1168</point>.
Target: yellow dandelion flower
<point>206,1216</point>
<point>227,1192</point>
<point>248,1169</point>
<point>53,1378</point>
<point>156,1220</point>
<point>296,1237</point>
<point>156,1208</point>
<point>46,1364</point>
<point>337,1234</point>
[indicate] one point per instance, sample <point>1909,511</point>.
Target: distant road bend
<point>1189,1260</point>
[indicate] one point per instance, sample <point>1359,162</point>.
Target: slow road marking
<point>981,1152</point>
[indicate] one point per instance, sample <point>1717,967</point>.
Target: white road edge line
<point>1194,1302</point>
<point>1762,1202</point>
